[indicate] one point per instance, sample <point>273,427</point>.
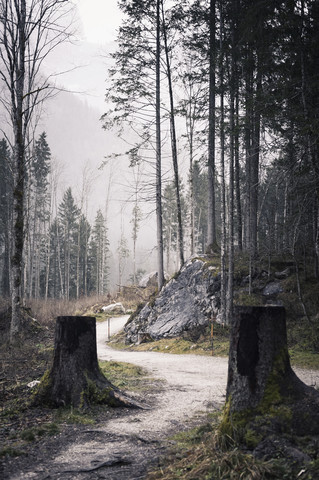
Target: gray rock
<point>184,306</point>
<point>150,280</point>
<point>273,288</point>
<point>284,274</point>
<point>114,308</point>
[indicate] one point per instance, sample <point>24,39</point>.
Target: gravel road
<point>193,383</point>
<point>125,445</point>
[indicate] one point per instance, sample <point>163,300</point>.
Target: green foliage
<point>98,257</point>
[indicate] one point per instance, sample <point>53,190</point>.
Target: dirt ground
<point>126,443</point>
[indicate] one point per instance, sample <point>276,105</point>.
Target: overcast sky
<point>100,19</point>
<point>85,62</point>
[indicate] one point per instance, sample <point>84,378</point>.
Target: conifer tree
<point>69,224</point>
<point>99,249</point>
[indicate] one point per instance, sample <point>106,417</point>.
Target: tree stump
<point>75,378</point>
<point>262,388</point>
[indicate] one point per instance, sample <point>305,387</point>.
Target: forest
<point>217,104</point>
<point>221,94</point>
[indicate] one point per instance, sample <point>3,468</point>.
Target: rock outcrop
<point>184,306</point>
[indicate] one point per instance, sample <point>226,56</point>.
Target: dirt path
<point>121,447</point>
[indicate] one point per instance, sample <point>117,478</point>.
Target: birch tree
<point>29,31</point>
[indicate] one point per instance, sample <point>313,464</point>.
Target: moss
<point>226,426</point>
<point>251,426</point>
<point>272,394</point>
<point>41,393</point>
<point>95,395</point>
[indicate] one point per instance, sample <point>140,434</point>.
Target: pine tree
<point>99,250</point>
<point>68,220</point>
<point>38,216</point>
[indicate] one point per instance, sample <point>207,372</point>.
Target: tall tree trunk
<point>230,284</point>
<point>191,195</point>
<point>19,177</point>
<point>211,210</point>
<point>160,249</point>
<point>254,169</point>
<point>248,135</point>
<point>173,143</point>
<point>237,171</point>
<point>223,250</point>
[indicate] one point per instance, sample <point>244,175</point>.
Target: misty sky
<point>77,141</point>
<point>100,19</point>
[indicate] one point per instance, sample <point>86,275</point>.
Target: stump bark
<point>75,378</point>
<point>261,381</point>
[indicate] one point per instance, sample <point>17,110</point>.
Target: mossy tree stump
<point>261,383</point>
<point>75,378</point>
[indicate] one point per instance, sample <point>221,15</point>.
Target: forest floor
<point>178,391</point>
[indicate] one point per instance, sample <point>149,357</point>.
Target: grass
<point>202,453</point>
<point>178,346</point>
<point>304,359</point>
<point>73,416</point>
<point>299,356</point>
<point>126,376</point>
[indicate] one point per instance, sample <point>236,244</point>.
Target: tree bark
<point>223,241</point>
<point>173,143</point>
<point>75,378</point>
<point>261,381</point>
<point>159,221</point>
<point>211,216</point>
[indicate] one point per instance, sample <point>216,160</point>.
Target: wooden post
<point>212,335</point>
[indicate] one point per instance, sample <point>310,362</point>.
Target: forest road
<point>127,443</point>
<point>187,388</point>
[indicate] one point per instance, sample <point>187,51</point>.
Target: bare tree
<point>173,140</point>
<point>29,31</point>
<point>159,223</point>
<point>211,226</point>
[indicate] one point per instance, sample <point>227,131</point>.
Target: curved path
<point>123,447</point>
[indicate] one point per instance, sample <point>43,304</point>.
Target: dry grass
<point>203,454</point>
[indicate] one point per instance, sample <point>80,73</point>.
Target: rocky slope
<point>188,301</point>
<point>184,306</point>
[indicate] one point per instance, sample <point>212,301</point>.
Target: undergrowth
<point>203,453</point>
